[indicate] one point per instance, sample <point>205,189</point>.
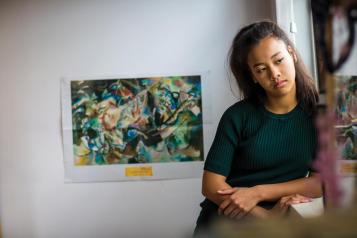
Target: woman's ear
<point>292,53</point>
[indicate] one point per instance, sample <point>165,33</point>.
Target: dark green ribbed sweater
<point>254,146</point>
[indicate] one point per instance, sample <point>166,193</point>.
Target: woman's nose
<point>275,74</point>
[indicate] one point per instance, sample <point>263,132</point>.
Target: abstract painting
<point>346,122</point>
<point>346,115</point>
<point>137,120</point>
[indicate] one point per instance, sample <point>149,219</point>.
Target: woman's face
<point>271,63</point>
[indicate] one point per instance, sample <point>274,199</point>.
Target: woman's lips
<point>280,84</point>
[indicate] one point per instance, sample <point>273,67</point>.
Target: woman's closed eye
<point>279,60</point>
<point>260,70</point>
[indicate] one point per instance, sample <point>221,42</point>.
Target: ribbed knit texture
<point>254,146</point>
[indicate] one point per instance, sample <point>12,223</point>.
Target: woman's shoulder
<point>243,106</point>
<point>240,111</point>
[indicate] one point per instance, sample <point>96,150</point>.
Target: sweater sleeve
<point>222,151</point>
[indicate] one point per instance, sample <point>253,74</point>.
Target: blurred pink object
<point>326,159</point>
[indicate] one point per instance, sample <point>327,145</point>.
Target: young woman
<point>264,145</point>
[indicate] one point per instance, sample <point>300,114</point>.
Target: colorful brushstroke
<point>346,114</point>
<point>137,120</point>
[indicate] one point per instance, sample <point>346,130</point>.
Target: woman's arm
<point>280,208</point>
<point>234,201</point>
<point>244,199</point>
<point>211,183</point>
<point>309,187</point>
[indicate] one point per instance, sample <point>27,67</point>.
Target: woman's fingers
<point>282,206</point>
<point>227,191</point>
<point>238,203</point>
<point>223,206</point>
<point>229,210</point>
<point>299,198</point>
<point>234,213</point>
<point>294,199</point>
<point>283,201</point>
<point>241,214</point>
<point>282,210</point>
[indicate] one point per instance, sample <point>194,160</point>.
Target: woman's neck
<point>281,105</point>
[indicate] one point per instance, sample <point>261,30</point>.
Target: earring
<point>255,81</point>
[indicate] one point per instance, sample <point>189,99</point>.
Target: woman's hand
<point>239,203</point>
<point>281,207</point>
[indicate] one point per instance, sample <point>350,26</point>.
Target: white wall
<point>42,41</point>
<point>349,67</point>
<point>298,12</point>
<point>303,36</point>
